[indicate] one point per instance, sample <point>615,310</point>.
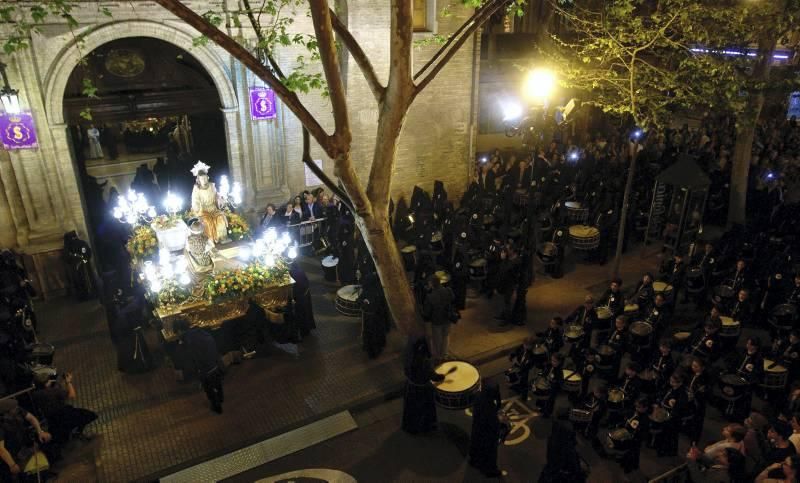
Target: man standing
<point>202,354</point>
<point>311,210</point>
<point>436,311</point>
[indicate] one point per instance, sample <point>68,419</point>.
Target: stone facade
<point>40,197</point>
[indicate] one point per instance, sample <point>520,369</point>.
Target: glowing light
<point>224,187</point>
<point>271,236</point>
<point>244,253</point>
<point>173,203</point>
<point>539,84</point>
<point>155,285</point>
<point>184,279</point>
<point>236,193</point>
<point>292,252</point>
<point>511,110</point>
<point>269,260</point>
<point>164,256</point>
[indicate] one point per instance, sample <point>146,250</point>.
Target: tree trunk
<point>381,244</point>
<point>623,214</point>
<point>746,129</point>
<point>742,154</point>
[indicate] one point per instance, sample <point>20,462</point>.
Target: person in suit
<point>311,209</point>
<point>270,218</point>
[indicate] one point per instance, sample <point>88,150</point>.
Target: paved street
<point>151,425</point>
<point>380,451</point>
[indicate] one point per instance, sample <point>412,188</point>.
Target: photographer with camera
<point>50,400</point>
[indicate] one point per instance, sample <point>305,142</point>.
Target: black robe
<point>485,431</point>
<point>419,404</point>
<point>375,316</point>
<point>301,293</point>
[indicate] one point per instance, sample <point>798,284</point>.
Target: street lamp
<point>9,96</point>
<point>539,85</point>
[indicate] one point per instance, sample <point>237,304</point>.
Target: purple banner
<point>18,131</point>
<point>262,103</point>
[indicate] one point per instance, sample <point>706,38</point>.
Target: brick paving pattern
<point>150,423</point>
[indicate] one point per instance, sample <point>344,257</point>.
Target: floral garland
<point>142,244</point>
<point>238,229</point>
<point>243,281</point>
<point>165,222</point>
<point>172,293</point>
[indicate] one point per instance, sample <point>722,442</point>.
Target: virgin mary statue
<point>205,205</point>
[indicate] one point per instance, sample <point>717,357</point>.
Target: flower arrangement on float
<point>142,244</point>
<point>238,228</point>
<point>247,280</point>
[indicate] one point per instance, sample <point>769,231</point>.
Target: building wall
<point>41,197</point>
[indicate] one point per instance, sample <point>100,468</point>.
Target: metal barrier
<point>307,233</point>
<point>679,474</point>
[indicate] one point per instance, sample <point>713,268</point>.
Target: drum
<point>43,372</point>
<point>723,294</point>
<point>329,264</point>
<point>573,334</point>
<point>576,213</point>
<point>775,376</point>
<point>604,318</point>
<point>783,316</point>
<point>460,387</point>
<point>616,399</point>
<point>732,386</point>
<point>42,353</point>
<point>572,381</point>
<point>437,243</point>
<point>477,269</point>
<point>547,252</point>
<point>539,351</point>
<point>631,310</point>
<point>730,327</point>
<point>409,254</point>
<point>347,300</point>
<point>541,387</point>
<point>520,198</point>
<point>649,378</point>
<point>585,238</point>
<point>681,338</point>
<point>606,355</point>
<point>444,277</point>
<point>641,333</point>
<point>658,419</point>
<point>620,440</point>
<point>662,288</point>
<point>583,416</point>
<point>695,280</point>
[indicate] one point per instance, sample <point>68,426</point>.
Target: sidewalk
<point>151,425</point>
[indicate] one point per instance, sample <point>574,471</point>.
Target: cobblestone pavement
<point>149,423</point>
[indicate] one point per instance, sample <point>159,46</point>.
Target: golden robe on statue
<point>204,206</point>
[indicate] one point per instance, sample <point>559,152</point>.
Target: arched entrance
<point>158,95</point>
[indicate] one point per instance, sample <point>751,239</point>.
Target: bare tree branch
<point>288,97</point>
<point>360,57</point>
<point>466,33</point>
<point>450,40</point>
<point>319,173</point>
<point>320,14</point>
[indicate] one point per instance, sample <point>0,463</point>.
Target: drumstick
<point>773,365</point>
<point>452,370</point>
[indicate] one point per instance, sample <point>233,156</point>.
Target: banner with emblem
<point>18,131</point>
<point>262,103</point>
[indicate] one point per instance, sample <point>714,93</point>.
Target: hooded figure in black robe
<point>301,293</point>
<point>459,280</point>
<point>133,354</point>
<point>485,431</point>
<point>346,252</point>
<point>419,405</point>
<point>375,315</point>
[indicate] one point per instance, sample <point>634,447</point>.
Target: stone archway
<point>58,74</point>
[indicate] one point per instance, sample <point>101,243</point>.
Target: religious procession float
<point>204,265</point>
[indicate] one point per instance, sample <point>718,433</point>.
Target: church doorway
<point>154,111</point>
